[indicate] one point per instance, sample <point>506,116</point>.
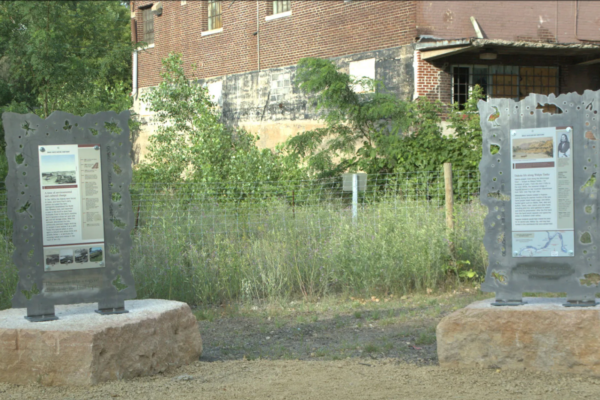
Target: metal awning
<point>433,49</point>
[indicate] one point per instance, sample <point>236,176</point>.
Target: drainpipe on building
<point>135,55</point>
<point>257,34</point>
<point>135,74</point>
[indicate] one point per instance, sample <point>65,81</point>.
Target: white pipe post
<point>134,78</point>
<point>354,197</point>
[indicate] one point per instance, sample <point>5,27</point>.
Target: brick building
<point>246,51</point>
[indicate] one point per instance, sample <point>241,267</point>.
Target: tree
<point>66,52</point>
<point>192,144</point>
<point>356,124</point>
<point>375,131</point>
<point>73,56</point>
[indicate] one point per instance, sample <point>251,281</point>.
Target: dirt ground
<point>336,348</point>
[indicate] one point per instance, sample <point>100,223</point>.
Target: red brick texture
<point>545,21</point>
<point>431,81</point>
<point>315,29</point>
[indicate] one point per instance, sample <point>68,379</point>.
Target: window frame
<point>490,85</point>
<point>147,11</point>
<point>281,3</point>
<point>274,12</point>
<point>210,19</point>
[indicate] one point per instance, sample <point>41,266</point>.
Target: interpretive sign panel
<point>72,222</point>
<point>542,182</point>
<point>69,202</point>
<point>538,180</point>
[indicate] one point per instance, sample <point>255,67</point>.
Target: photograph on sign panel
<point>564,146</point>
<point>533,148</point>
<point>58,169</point>
<point>81,255</point>
<point>52,259</point>
<point>66,256</point>
<point>96,254</point>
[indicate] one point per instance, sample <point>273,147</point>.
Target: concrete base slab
<point>84,347</point>
<point>541,335</point>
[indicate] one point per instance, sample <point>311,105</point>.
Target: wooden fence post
<point>449,196</point>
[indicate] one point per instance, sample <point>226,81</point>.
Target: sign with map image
<point>542,193</point>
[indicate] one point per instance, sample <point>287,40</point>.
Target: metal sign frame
<point>111,285</point>
<point>509,277</point>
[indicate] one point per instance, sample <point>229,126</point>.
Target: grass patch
<point>425,338</point>
<point>213,253</point>
<point>204,252</point>
<point>371,348</point>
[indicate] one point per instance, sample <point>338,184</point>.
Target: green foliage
<point>71,56</point>
<point>308,252</point>
<point>357,124</point>
<point>378,133</point>
<point>8,273</point>
<point>191,143</point>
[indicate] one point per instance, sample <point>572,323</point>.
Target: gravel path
<point>338,348</point>
<point>347,379</point>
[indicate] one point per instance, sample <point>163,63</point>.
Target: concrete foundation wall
<point>268,103</point>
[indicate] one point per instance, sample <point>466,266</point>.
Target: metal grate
<point>214,15</point>
<point>148,24</point>
<point>503,81</point>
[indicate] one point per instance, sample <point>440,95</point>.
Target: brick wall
<point>431,81</point>
<point>548,21</point>
<point>326,29</point>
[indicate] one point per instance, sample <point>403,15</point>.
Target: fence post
<point>449,196</point>
<point>354,197</point>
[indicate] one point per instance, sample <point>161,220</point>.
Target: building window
<point>502,81</point>
<point>214,15</point>
<point>281,85</point>
<point>148,25</point>
<point>281,6</point>
<point>360,70</point>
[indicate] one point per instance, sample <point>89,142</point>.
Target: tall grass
<point>8,273</point>
<point>217,254</point>
<point>212,252</point>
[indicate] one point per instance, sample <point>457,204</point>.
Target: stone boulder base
<point>541,336</point>
<point>83,347</point>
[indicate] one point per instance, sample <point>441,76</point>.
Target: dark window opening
<point>503,81</point>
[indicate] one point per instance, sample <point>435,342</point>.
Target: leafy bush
<point>192,144</point>
<point>378,133</point>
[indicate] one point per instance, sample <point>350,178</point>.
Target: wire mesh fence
<point>242,207</point>
<point>256,239</point>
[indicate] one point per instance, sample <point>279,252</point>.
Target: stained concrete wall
<point>267,102</point>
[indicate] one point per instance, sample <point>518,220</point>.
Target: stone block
<point>83,347</point>
<point>541,335</point>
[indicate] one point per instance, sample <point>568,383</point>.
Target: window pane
<point>148,25</point>
<point>480,77</point>
<point>280,6</point>
<point>460,79</point>
<point>504,81</point>
<point>214,15</point>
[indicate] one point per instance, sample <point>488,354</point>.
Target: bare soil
<point>335,348</point>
